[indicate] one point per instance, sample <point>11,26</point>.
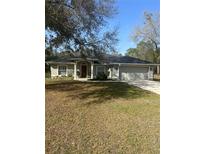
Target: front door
<point>84,71</point>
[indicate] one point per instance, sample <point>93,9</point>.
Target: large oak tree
<point>79,26</point>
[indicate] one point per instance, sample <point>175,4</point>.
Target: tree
<point>144,51</point>
<point>147,37</point>
<point>79,26</point>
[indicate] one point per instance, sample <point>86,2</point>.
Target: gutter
<point>119,64</point>
<point>134,64</point>
<point>50,62</point>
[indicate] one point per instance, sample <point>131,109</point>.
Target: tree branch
<point>59,3</point>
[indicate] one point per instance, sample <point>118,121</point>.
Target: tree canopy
<point>144,51</point>
<point>147,39</point>
<point>79,26</point>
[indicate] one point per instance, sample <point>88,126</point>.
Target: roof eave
<point>53,62</point>
<point>133,64</point>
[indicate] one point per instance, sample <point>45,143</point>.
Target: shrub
<point>47,75</point>
<point>101,76</point>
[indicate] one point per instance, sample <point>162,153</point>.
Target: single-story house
<point>114,66</point>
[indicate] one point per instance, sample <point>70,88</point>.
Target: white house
<point>115,67</point>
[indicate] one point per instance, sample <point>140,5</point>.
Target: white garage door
<point>133,73</point>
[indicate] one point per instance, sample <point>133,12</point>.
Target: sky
<point>130,14</point>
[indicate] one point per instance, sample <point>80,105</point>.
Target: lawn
<point>111,117</point>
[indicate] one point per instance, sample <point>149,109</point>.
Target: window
<point>62,70</point>
<point>100,69</point>
<point>115,67</point>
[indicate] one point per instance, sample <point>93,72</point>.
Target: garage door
<point>133,73</point>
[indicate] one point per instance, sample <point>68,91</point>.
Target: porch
<point>83,70</point>
<point>79,70</point>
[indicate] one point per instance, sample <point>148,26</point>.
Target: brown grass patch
<point>84,117</point>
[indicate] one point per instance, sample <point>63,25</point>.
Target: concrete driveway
<point>153,86</point>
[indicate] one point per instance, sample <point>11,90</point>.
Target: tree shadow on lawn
<point>98,92</point>
<point>64,85</point>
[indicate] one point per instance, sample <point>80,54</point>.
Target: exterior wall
<point>69,70</point>
<point>88,65</point>
<point>113,71</point>
<point>95,70</point>
<point>126,72</point>
<point>78,68</point>
<point>158,69</point>
<point>89,70</point>
<point>54,70</point>
<point>134,72</point>
<point>151,73</point>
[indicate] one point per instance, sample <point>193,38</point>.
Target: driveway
<point>153,86</point>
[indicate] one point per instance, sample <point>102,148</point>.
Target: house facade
<point>115,67</point>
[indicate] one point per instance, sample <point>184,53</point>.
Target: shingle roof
<point>124,59</point>
<point>107,59</point>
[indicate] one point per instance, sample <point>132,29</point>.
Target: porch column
<point>119,76</point>
<point>158,72</point>
<point>91,70</point>
<point>75,71</point>
<point>110,72</point>
<point>149,73</point>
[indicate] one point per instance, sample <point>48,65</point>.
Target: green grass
<point>90,117</point>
